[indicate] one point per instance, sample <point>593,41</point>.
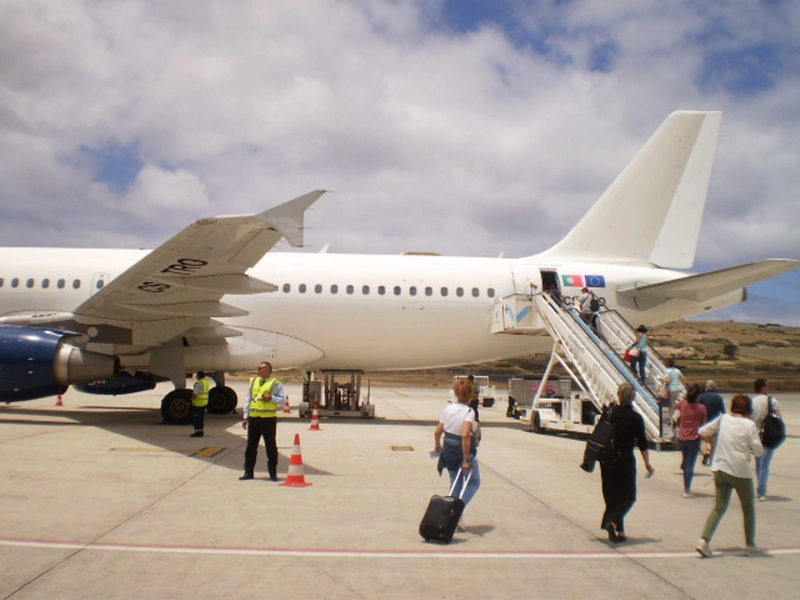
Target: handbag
<point>773,430</point>
<point>663,392</point>
<point>627,357</point>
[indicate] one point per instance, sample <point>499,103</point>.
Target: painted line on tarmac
<point>376,554</point>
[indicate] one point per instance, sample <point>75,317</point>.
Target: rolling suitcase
<point>443,513</point>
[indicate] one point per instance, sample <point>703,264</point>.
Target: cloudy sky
<point>464,127</point>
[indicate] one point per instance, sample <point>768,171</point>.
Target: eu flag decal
<point>595,281</point>
<point>572,280</point>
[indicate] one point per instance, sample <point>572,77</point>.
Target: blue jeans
<point>451,459</point>
<point>640,362</point>
<point>690,450</point>
<point>762,471</point>
<point>472,486</point>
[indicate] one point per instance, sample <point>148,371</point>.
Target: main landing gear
<point>176,406</point>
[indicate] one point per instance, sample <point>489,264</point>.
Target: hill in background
<point>733,354</point>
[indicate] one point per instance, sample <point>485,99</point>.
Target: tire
<point>222,400</point>
<point>176,407</point>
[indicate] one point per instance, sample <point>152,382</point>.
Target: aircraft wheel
<point>176,407</point>
<point>222,400</point>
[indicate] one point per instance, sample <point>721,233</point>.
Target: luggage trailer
<point>337,394</point>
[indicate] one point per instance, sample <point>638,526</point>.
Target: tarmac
<point>100,500</point>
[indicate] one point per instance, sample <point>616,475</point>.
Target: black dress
<point>619,476</point>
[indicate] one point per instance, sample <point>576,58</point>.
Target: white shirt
<point>760,409</point>
<point>737,438</point>
<point>454,416</point>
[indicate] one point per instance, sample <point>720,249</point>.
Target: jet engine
<point>35,363</point>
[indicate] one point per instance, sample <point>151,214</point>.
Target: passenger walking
<point>199,403</point>
<point>691,415</point>
<point>737,439</point>
<point>715,406</point>
<point>619,474</point>
<point>639,353</point>
<point>673,379</point>
<point>264,396</point>
<point>761,406</point>
<point>457,451</point>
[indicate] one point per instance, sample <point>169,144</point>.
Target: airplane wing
<point>705,286</point>
<point>179,285</point>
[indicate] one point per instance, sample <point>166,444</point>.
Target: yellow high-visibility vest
<point>201,399</point>
<point>262,408</point>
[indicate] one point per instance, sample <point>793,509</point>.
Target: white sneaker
<point>762,498</point>
<point>755,551</point>
<point>687,494</point>
<point>703,549</point>
<point>462,526</point>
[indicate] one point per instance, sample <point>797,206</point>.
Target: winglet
<point>287,218</point>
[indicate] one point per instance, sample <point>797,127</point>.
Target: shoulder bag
<point>773,430</point>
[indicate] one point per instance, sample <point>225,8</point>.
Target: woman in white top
<point>457,423</point>
<point>737,439</point>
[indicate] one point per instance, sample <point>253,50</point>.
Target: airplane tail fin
<point>652,212</point>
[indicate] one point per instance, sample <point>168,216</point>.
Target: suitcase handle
<point>467,477</point>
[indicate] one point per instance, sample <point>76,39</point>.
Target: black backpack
<point>594,303</point>
<point>602,444</point>
<point>773,430</point>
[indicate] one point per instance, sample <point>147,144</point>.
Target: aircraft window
<point>365,290</point>
<point>381,289</point>
<point>45,283</point>
<point>490,292</point>
<point>444,291</point>
<point>61,283</point>
<point>334,289</point>
<point>15,282</point>
<point>29,283</point>
<point>412,290</point>
<point>429,291</point>
<point>287,287</point>
<point>301,288</point>
<point>100,283</point>
<point>475,292</point>
<point>397,290</point>
<point>76,284</point>
<point>318,288</point>
<point>350,289</point>
<point>459,292</point>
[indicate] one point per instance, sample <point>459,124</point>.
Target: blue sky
<point>463,127</point>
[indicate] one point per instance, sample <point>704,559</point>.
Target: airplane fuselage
<point>342,311</point>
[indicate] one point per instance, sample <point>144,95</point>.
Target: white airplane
<point>213,299</point>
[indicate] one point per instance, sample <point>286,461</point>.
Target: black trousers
<point>257,428</point>
<point>198,417</point>
<point>619,490</point>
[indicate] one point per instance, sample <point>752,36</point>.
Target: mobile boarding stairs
<point>592,359</point>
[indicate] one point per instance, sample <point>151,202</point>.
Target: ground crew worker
<point>264,396</point>
<point>199,403</point>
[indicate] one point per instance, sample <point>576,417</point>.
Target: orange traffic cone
<point>295,477</point>
<point>286,409</point>
<point>315,419</point>
<point>58,401</point>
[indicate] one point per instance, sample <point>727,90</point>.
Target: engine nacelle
<point>35,363</point>
<point>124,383</point>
